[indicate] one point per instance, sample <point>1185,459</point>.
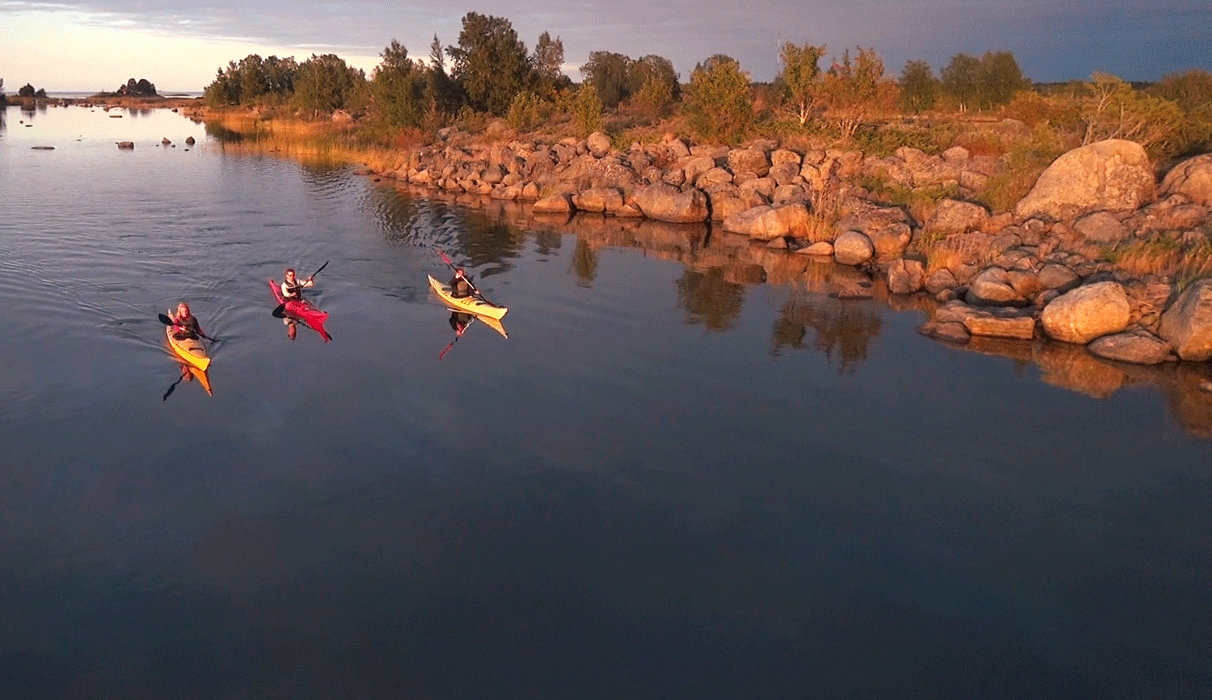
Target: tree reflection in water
<point>709,298</point>
<point>843,329</point>
<point>584,263</point>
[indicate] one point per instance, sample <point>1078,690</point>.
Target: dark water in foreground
<point>663,484</point>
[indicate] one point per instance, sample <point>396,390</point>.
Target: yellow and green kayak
<point>471,305</point>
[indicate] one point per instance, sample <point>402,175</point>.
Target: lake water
<point>671,480</point>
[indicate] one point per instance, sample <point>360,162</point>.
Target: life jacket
<point>292,291</point>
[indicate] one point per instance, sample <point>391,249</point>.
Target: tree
<point>587,109</point>
<point>800,78</point>
<point>919,87</point>
<point>546,61</point>
<point>490,62</point>
<point>718,101</point>
<point>608,73</point>
<point>325,83</point>
<point>26,90</point>
<point>961,79</point>
<point>442,92</point>
<point>1117,111</point>
<point>398,88</point>
<point>851,89</point>
<point>1191,90</point>
<point>653,68</point>
<point>1000,79</point>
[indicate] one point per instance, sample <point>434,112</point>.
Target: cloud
<point>1052,39</point>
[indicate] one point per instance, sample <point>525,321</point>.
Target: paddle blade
<point>279,311</point>
<point>165,319</point>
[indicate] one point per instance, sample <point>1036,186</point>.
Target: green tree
<point>587,110</point>
<point>397,88</point>
<point>608,73</point>
<point>653,68</point>
<point>325,83</point>
<point>1000,79</point>
<point>799,79</point>
<point>654,98</point>
<point>441,90</point>
<point>490,63</point>
<point>547,59</point>
<point>850,89</point>
<point>526,110</point>
<point>961,80</point>
<point>919,87</point>
<point>718,101</point>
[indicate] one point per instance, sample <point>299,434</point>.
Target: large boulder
<point>766,223</point>
<point>889,229</point>
<point>1088,312</point>
<point>906,276</point>
<point>953,216</point>
<point>994,287</point>
<point>749,160</point>
<point>598,199</point>
<point>853,248</point>
<point>1187,324</point>
<point>1191,178</point>
<point>1137,347</point>
<point>1111,175</point>
<point>667,203</point>
<point>598,144</point>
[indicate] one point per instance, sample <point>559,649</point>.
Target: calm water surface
<point>662,484</point>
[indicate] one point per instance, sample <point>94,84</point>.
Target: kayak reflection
<point>189,373</point>
<point>461,321</point>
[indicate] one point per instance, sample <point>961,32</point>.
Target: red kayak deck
<point>303,311</point>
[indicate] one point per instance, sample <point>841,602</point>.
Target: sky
<point>93,45</point>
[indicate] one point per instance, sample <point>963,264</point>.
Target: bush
<point>587,110</point>
<point>525,111</point>
<point>718,103</point>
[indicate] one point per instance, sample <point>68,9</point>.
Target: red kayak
<point>303,311</point>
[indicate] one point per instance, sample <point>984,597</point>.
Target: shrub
<point>525,111</point>
<point>587,110</point>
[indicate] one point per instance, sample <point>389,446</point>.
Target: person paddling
<point>460,285</point>
<point>185,325</point>
<point>292,288</point>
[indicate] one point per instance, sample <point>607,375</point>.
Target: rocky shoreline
<point>1099,254</point>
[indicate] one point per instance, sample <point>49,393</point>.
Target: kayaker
<point>292,288</point>
<point>460,284</point>
<point>185,325</point>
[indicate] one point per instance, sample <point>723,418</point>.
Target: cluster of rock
<point>1042,270</point>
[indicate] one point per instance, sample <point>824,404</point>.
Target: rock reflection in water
<point>835,302</point>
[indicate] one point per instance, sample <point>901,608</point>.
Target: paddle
<point>457,336</point>
<point>169,322</point>
<point>474,290</point>
<point>280,308</point>
<point>173,386</point>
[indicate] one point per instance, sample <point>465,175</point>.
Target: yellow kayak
<point>471,305</point>
<point>190,349</point>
